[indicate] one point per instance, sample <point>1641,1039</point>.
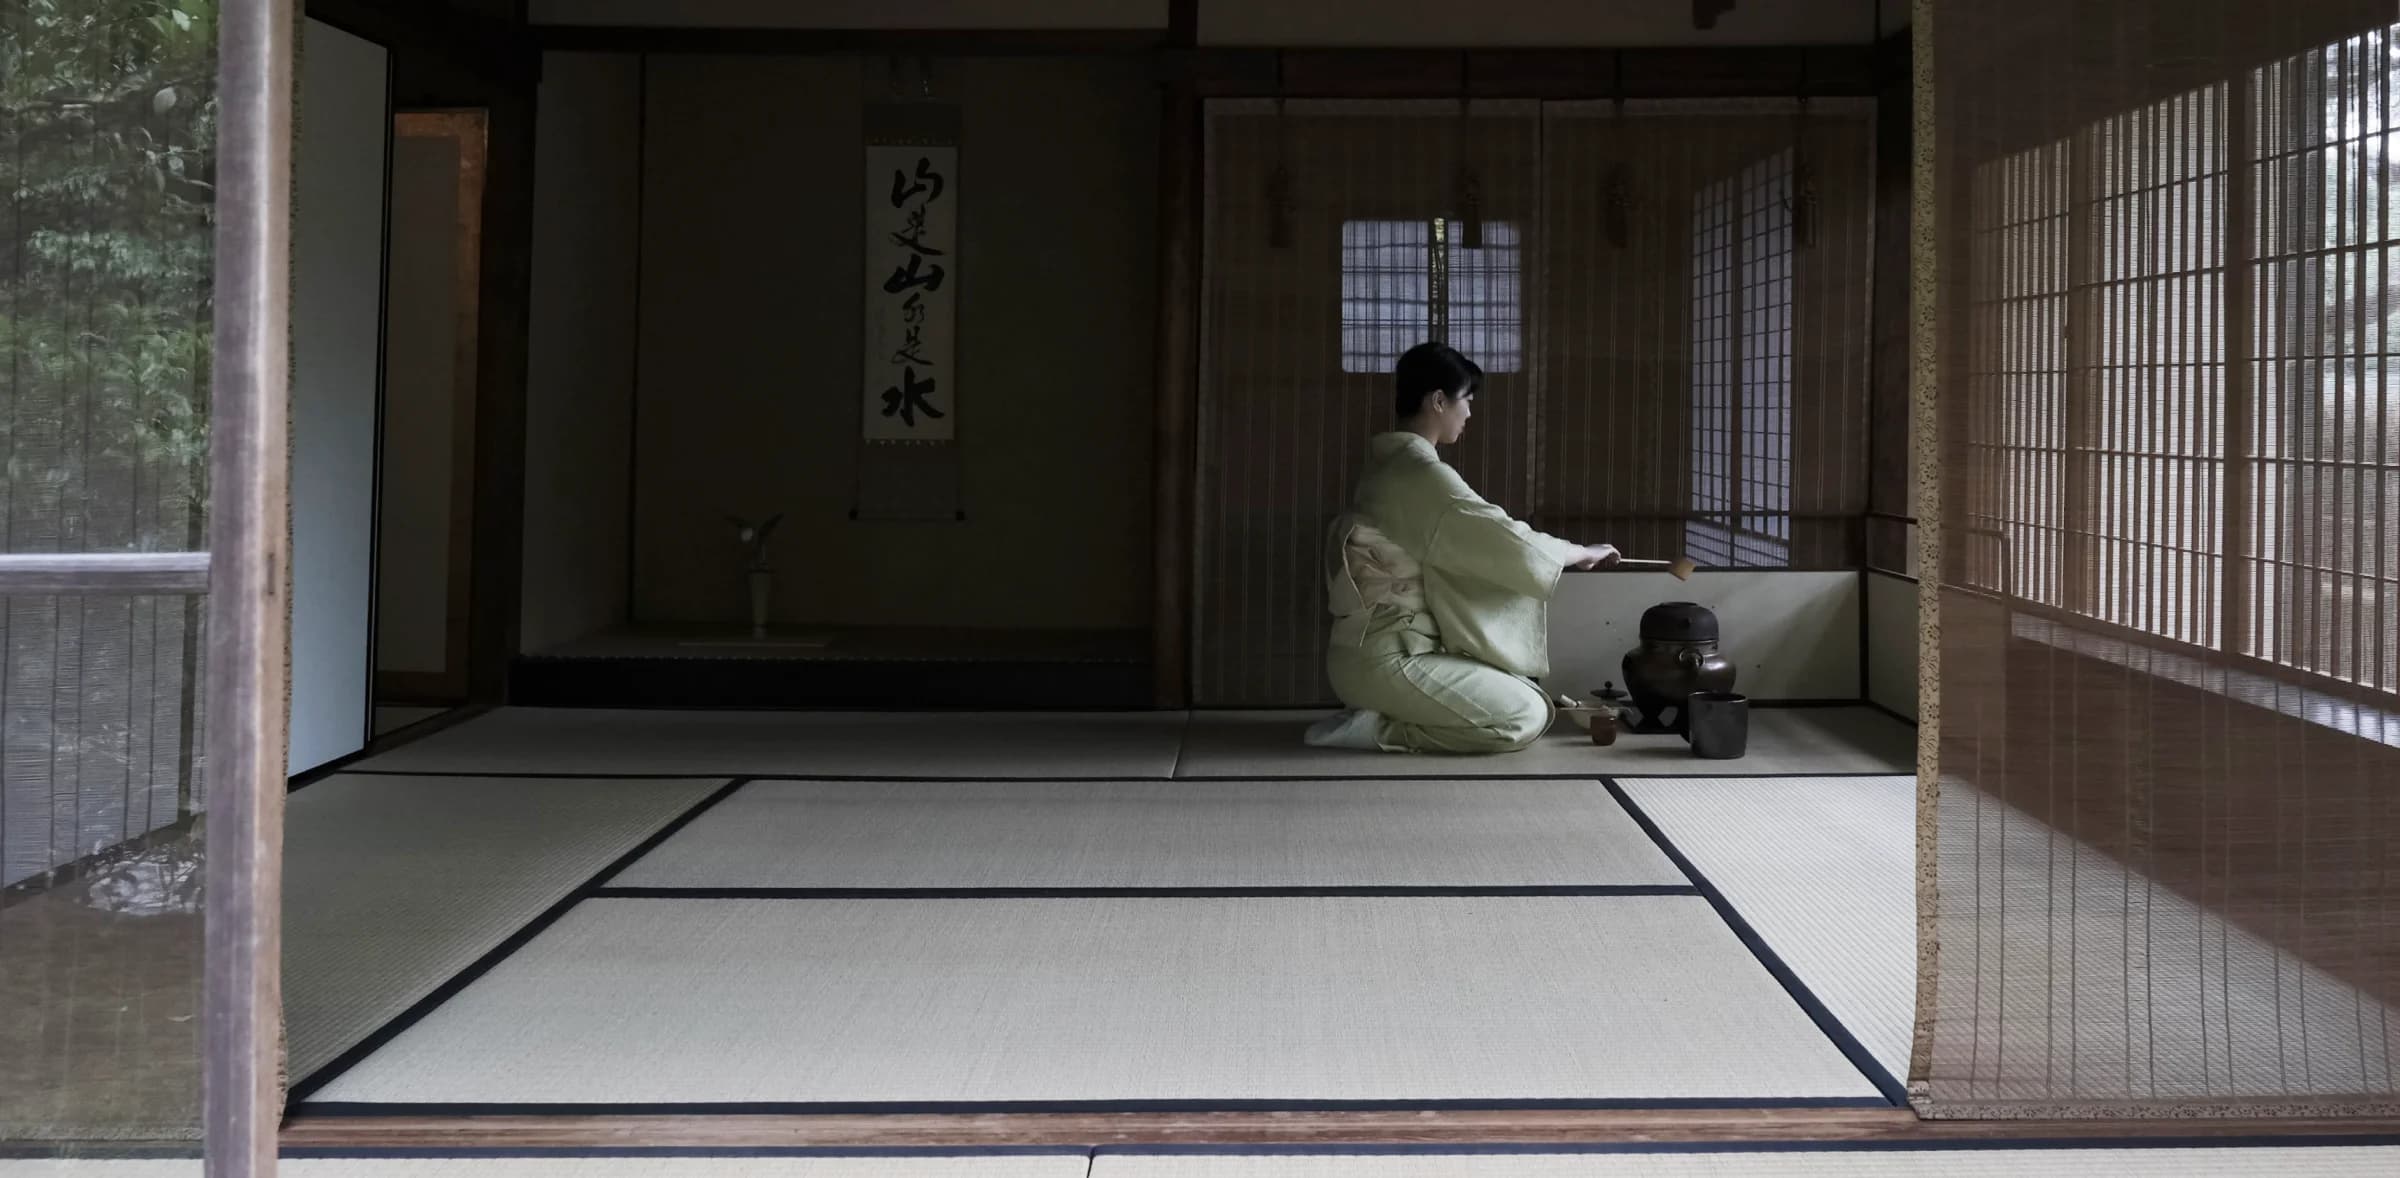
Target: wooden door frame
<point>1446,1130</point>
<point>249,666</point>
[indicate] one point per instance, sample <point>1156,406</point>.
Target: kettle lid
<point>1679,621</point>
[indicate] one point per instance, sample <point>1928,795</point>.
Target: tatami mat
<point>390,718</point>
<point>1158,834</point>
<point>393,884</point>
<point>1191,1002</point>
<point>800,744</point>
<point>1824,870</point>
<point>2237,1162</point>
<point>1782,740</point>
<point>898,1165</point>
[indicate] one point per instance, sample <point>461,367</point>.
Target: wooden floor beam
<point>1431,1128</point>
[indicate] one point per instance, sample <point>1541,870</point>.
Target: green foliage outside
<point>107,169</point>
<point>107,161</point>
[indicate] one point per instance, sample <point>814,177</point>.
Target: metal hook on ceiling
<point>1470,186</point>
<point>1279,178</point>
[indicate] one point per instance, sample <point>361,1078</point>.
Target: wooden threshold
<point>1897,1127</point>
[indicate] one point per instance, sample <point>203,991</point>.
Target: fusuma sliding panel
<point>337,326</point>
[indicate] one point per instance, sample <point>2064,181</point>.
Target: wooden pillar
<point>1926,307</point>
<point>1174,421</point>
<point>504,327</point>
<point>249,493</point>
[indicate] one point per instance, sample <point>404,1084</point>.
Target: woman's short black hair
<point>1431,368</point>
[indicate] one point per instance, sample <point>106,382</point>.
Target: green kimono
<point>1441,607</point>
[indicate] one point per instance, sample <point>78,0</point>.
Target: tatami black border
<point>1197,892</point>
<point>1893,714</point>
<point>1176,769</point>
<point>333,768</point>
<point>1894,1093</point>
<point>1183,745</point>
<point>388,742</point>
<point>1887,1145</point>
<point>495,1152</point>
<point>1646,775</point>
<point>1020,779</point>
<point>448,716</point>
<point>1908,771</point>
<point>459,981</point>
<point>996,1107</point>
<point>506,775</point>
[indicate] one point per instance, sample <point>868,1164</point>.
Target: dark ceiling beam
<point>494,49</point>
<point>906,42</point>
<point>1838,70</point>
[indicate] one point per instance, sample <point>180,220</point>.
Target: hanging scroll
<point>912,275</point>
<point>910,380</point>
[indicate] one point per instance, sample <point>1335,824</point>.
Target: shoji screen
<point>1670,300</point>
<point>1706,345</point>
<point>2167,819</point>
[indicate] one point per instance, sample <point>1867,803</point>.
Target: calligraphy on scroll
<point>911,386</point>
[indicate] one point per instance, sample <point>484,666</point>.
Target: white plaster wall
<point>337,321</point>
<point>1791,635</point>
<point>1892,643</point>
<point>580,367</point>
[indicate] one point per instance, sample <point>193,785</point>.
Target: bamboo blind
<point>2166,825</point>
<point>1669,300</point>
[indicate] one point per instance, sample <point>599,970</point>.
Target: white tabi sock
<point>1353,729</point>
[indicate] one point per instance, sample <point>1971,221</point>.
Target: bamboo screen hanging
<point>2163,530</point>
<point>1669,300</point>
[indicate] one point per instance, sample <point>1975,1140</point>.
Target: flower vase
<point>762,590</point>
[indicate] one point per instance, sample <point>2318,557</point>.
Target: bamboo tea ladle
<point>1682,567</point>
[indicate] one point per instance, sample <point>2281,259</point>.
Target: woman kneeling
<point>1440,601</point>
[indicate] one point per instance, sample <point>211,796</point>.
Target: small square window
<point>1399,290</point>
